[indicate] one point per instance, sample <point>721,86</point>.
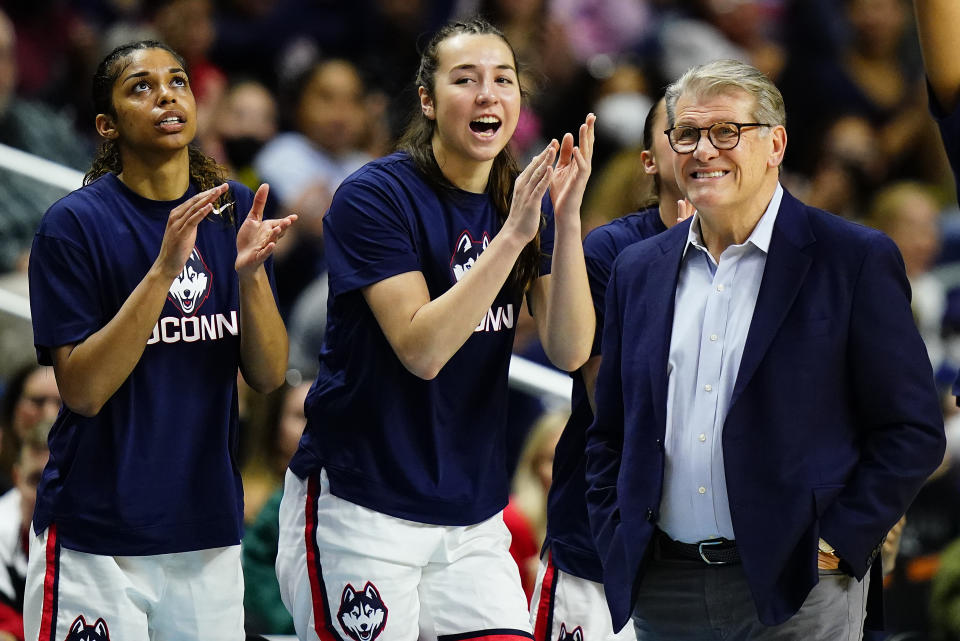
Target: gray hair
<point>723,76</point>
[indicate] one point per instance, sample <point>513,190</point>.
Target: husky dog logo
<point>362,614</point>
<point>191,288</point>
<point>467,252</point>
<point>576,635</point>
<point>80,631</point>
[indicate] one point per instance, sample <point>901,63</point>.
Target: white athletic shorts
<point>565,607</point>
<point>164,597</point>
<point>350,573</point>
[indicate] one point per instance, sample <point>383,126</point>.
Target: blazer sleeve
<point>895,406</point>
<point>605,435</point>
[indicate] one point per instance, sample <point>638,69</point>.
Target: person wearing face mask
<point>245,120</point>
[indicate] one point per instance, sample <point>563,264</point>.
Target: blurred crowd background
<point>300,93</point>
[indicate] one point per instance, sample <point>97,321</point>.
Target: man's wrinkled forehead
<point>732,96</point>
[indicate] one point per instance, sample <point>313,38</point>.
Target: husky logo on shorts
<point>191,288</point>
<point>576,635</point>
<point>80,631</point>
<point>467,252</point>
<point>362,614</point>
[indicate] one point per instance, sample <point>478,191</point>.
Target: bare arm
<point>938,25</point>
<point>264,347</point>
<point>426,333</point>
<point>90,372</point>
<point>561,302</point>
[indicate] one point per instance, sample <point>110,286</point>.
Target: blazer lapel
<point>785,270</point>
<point>660,286</point>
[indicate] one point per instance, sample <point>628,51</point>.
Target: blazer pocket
<point>810,327</point>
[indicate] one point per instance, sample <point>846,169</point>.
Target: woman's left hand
<point>572,171</point>
<point>257,238</point>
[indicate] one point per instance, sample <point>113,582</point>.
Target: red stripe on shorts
<point>548,591</point>
<point>322,621</point>
<point>51,580</point>
<point>500,634</point>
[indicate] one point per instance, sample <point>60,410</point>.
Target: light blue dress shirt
<point>712,313</point>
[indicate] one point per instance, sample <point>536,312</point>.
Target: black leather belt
<point>710,552</point>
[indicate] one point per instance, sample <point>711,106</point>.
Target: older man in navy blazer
<point>766,409</point>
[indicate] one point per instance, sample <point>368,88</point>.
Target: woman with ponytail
<point>148,290</point>
<point>391,517</point>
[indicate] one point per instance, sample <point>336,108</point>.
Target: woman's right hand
<point>528,192</point>
<point>180,236</point>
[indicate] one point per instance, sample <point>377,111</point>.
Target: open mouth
<point>171,123</point>
<point>487,125</point>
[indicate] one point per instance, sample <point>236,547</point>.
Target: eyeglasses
<point>722,135</point>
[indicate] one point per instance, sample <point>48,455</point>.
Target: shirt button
<point>702,437</point>
<point>708,387</point>
<point>702,490</point>
<point>719,288</point>
<point>713,337</point>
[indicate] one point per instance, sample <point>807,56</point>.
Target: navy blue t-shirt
<point>568,530</point>
<point>427,451</point>
<point>155,470</point>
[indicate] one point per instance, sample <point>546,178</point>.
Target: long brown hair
<point>417,139</point>
<point>205,172</point>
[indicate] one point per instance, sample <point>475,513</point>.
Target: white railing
<point>551,385</point>
<point>39,169</point>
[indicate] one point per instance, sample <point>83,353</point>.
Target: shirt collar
<point>759,237</point>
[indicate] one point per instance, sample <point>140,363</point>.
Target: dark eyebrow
<point>141,74</point>
<point>470,67</point>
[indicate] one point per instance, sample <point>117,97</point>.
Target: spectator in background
<point>35,128</point>
<point>706,30</point>
<point>526,513</point>
<point>388,53</point>
<point>31,396</point>
<point>915,603</point>
<point>908,212</point>
<point>16,510</point>
<point>263,609</point>
<point>329,121</point>
<point>305,166</point>
<point>620,96</point>
<point>849,168</point>
<point>56,51</point>
<point>876,75</point>
<point>188,27</point>
<point>245,120</point>
<point>275,423</point>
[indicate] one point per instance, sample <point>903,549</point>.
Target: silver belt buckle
<point>700,546</point>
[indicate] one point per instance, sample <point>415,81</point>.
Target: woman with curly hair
<point>149,290</point>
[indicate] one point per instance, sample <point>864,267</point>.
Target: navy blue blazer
<point>833,426</point>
